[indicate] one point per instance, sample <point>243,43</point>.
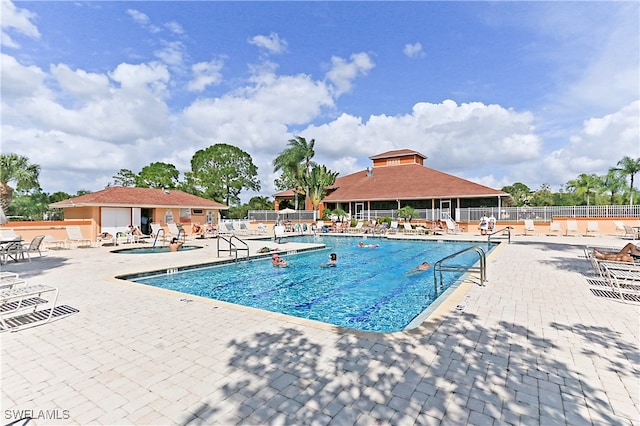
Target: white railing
<point>471,214</point>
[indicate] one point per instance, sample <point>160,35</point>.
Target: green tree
<point>124,177</point>
<point>613,183</point>
<point>584,185</point>
<point>16,169</point>
<point>295,163</point>
<point>317,181</point>
<point>158,175</point>
<point>260,203</point>
<point>221,172</point>
<point>543,196</point>
<point>520,193</point>
<point>407,212</point>
<point>629,167</point>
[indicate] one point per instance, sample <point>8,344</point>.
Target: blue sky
<point>494,92</point>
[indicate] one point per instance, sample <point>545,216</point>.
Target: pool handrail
<point>157,235</point>
<point>229,239</point>
<point>439,267</point>
<point>507,228</point>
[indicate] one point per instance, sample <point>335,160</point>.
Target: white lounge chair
<point>555,229</point>
<point>631,233</point>
<point>619,226</point>
<point>592,229</point>
<point>393,227</point>
<point>357,228</point>
<point>572,227</point>
<point>278,231</point>
<point>262,229</point>
<point>74,235</point>
<point>452,226</point>
<point>174,231</point>
<point>408,229</point>
<point>529,227</point>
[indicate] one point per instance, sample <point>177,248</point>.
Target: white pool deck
<point>534,346</point>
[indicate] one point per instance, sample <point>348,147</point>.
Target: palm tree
<point>16,168</point>
<point>318,179</point>
<point>612,183</point>
<point>630,166</point>
<point>296,161</point>
<point>584,185</point>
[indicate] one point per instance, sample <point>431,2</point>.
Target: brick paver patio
<point>534,346</point>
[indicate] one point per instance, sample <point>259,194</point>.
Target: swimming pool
<point>369,290</point>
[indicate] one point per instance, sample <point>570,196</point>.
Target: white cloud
<point>81,84</point>
<point>143,20</point>
<point>271,43</point>
<point>19,20</point>
<point>601,143</point>
<point>342,72</point>
<point>413,50</point>
<point>453,137</point>
<point>19,80</point>
<point>174,27</point>
<point>172,53</point>
<point>205,74</point>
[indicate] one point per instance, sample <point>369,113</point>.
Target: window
<point>394,162</point>
<point>197,211</point>
<point>168,216</point>
<point>185,214</point>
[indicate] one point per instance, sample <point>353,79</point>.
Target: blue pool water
<point>369,289</point>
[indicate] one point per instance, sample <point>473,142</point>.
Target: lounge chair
<point>393,227</point>
<point>555,229</point>
<point>529,227</point>
<point>262,229</point>
<point>74,235</point>
<point>408,229</point>
<point>592,229</point>
<point>452,226</point>
<point>175,232</point>
<point>619,226</point>
<point>356,229</point>
<point>572,226</point>
<point>631,233</point>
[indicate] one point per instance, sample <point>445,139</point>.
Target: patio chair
<point>74,235</point>
<point>555,229</point>
<point>592,229</point>
<point>262,228</point>
<point>530,227</point>
<point>12,250</point>
<point>33,246</point>
<point>572,226</point>
<point>278,231</point>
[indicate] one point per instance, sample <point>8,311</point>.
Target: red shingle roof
<point>405,182</point>
<point>121,196</point>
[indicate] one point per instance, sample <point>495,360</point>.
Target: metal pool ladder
<point>157,235</point>
<point>441,267</point>
<point>232,247</point>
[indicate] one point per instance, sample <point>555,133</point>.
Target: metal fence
<point>470,214</point>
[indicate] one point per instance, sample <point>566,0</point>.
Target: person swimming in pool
<point>276,260</point>
<point>363,245</point>
<point>424,266</point>
<point>333,260</point>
